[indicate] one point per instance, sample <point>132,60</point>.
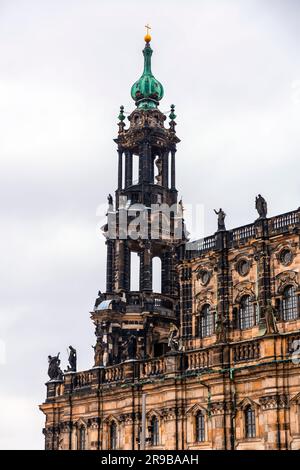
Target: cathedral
<point>211,360</point>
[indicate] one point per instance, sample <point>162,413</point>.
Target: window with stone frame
<point>200,427</point>
<point>113,435</point>
<point>290,304</point>
<point>250,427</point>
<point>246,313</point>
<point>81,437</point>
<point>154,431</point>
<point>205,322</point>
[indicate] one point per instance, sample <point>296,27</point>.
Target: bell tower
<point>145,219</point>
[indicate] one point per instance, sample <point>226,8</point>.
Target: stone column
<point>173,183</point>
<point>263,261</point>
<point>218,425</point>
<point>128,168</point>
<point>165,169</point>
<point>146,268</point>
<point>186,302</point>
<point>273,407</point>
<point>223,286</point>
<point>120,169</point>
<point>109,265</point>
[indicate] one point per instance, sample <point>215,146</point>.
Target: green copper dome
<point>147,91</point>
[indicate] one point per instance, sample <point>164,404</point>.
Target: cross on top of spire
<point>148,35</point>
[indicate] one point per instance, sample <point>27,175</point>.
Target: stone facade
<point>230,378</point>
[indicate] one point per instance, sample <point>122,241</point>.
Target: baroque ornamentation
<point>243,288</point>
<point>286,278</point>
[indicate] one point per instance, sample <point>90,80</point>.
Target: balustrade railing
<point>281,223</point>
<point>83,379</point>
<point>113,373</point>
<point>152,367</point>
<point>244,233</point>
<point>198,359</point>
<point>246,351</point>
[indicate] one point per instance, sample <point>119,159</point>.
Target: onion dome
<point>147,91</point>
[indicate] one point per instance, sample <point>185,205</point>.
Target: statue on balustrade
<point>173,338</point>
<point>98,352</point>
<point>54,370</point>
<point>270,317</point>
<point>72,360</point>
<point>261,206</point>
<point>221,219</point>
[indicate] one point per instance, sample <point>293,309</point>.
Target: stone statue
<point>261,206</point>
<point>72,360</point>
<point>129,348</point>
<point>173,338</point>
<point>110,200</point>
<point>105,357</point>
<point>98,353</point>
<point>181,208</point>
<point>221,219</point>
<point>54,370</point>
<point>158,163</point>
<point>132,347</point>
<point>270,316</point>
<point>219,329</point>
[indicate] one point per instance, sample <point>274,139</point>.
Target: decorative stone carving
<point>195,409</point>
<point>243,288</point>
<point>205,296</point>
<point>243,266</point>
<point>271,402</point>
<point>217,407</point>
<point>204,276</point>
<point>286,278</point>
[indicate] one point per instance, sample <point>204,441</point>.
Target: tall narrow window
<point>156,274</point>
<point>154,431</point>
<point>246,319</point>
<point>206,322</point>
<point>289,304</point>
<point>134,271</point>
<point>81,438</point>
<point>250,430</point>
<point>113,436</point>
<point>200,427</point>
<point>135,169</point>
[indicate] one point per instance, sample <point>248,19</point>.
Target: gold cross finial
<point>148,36</point>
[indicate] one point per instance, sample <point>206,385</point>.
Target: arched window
<point>200,427</point>
<point>154,431</point>
<point>289,304</point>
<point>246,313</point>
<point>205,322</point>
<point>134,271</point>
<point>250,430</point>
<point>156,274</point>
<point>113,436</point>
<point>81,438</point>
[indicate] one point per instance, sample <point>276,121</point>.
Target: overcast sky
<point>233,70</point>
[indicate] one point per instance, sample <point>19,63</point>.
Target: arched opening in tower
<point>134,271</point>
<point>156,274</point>
<point>135,169</point>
